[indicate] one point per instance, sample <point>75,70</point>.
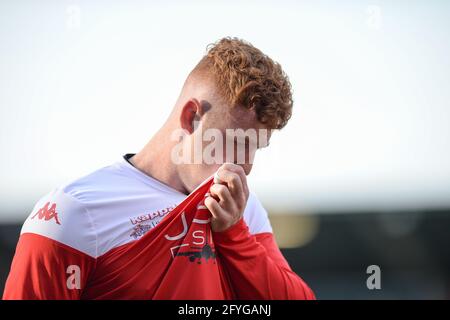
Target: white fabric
<point>113,206</point>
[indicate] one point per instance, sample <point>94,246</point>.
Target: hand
<point>229,195</point>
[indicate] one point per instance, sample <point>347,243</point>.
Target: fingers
<point>221,192</point>
<point>228,196</point>
<point>233,182</point>
<point>213,206</point>
<point>234,176</point>
<point>226,200</point>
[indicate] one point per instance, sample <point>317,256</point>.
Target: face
<point>222,134</point>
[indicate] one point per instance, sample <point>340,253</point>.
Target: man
<point>74,235</point>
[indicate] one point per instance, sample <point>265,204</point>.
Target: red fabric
<point>180,258</point>
<point>40,270</point>
<point>256,266</point>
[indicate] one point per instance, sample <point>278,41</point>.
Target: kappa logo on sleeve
<point>47,213</point>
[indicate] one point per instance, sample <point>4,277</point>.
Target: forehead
<point>224,117</point>
<point>241,118</point>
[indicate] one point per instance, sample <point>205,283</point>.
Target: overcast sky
<point>84,82</point>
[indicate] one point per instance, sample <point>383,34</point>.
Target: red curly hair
<point>246,77</point>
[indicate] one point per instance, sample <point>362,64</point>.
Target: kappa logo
<point>47,213</point>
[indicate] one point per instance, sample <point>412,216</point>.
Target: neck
<point>155,160</point>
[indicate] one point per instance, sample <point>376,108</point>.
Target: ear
<point>191,111</point>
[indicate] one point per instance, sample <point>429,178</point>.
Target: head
<point>230,104</point>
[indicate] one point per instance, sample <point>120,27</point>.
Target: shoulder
<point>104,182</point>
<point>85,213</point>
<point>256,216</point>
<point>63,214</point>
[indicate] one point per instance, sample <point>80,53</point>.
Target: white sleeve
<point>61,217</point>
<point>256,216</point>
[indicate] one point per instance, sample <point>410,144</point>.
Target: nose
<point>247,168</point>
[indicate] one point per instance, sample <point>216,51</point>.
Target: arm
<point>256,266</point>
<point>46,269</point>
<point>55,253</point>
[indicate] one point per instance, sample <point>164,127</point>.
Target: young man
<point>75,233</point>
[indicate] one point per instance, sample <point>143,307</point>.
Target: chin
<point>205,173</point>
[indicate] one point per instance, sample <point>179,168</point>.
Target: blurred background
<point>359,177</point>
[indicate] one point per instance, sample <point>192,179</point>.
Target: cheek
<point>251,156</point>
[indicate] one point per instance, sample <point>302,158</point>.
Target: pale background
<point>84,82</point>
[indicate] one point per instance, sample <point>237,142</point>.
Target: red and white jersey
<point>73,244</point>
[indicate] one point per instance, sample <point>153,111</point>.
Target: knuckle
<point>239,169</point>
<point>235,177</point>
<point>232,167</point>
<point>225,166</point>
<point>221,189</point>
<point>228,165</point>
